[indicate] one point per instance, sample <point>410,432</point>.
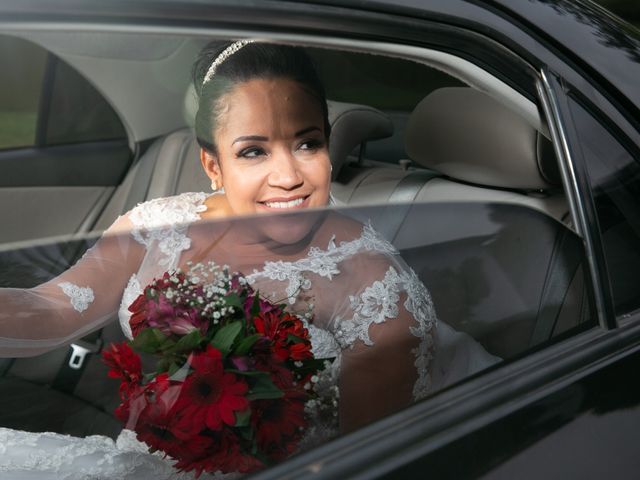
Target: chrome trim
<point>562,150</point>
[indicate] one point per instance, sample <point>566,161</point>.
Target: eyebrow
<point>259,138</point>
<point>306,130</point>
<point>253,138</point>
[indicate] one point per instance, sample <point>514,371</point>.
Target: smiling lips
<point>281,203</point>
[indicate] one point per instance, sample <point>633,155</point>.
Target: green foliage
<point>224,338</point>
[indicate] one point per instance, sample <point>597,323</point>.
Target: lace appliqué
<point>420,305</point>
<point>165,221</point>
<point>322,262</point>
<point>81,297</point>
<point>374,305</point>
<point>379,302</point>
<point>131,292</point>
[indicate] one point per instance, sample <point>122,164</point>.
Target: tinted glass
<point>614,173</point>
<point>384,83</point>
<point>78,113</point>
<point>22,64</point>
<point>390,84</point>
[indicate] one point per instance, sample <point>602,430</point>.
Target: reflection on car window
<point>77,112</point>
<point>44,101</point>
<point>406,299</point>
<point>614,174</point>
<point>392,85</point>
<point>23,66</point>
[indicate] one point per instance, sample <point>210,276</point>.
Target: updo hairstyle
<point>253,61</point>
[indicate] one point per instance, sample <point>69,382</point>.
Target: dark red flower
<point>154,422</point>
<point>124,364</point>
<point>154,308</point>
<point>223,453</point>
<point>138,319</point>
<point>210,396</point>
<point>287,332</point>
<point>279,423</point>
<point>264,306</point>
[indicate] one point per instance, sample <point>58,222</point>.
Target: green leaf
<point>294,338</point>
<point>263,389</point>
<point>255,307</point>
<point>242,418</point>
<point>173,368</point>
<point>246,343</point>
<point>149,340</point>
<point>178,372</point>
<point>187,343</point>
<point>224,338</point>
<point>233,300</point>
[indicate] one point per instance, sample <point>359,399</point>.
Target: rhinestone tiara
<point>226,53</point>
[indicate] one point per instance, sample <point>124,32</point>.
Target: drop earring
<point>214,186</point>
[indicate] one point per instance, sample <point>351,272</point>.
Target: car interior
<point>465,183</point>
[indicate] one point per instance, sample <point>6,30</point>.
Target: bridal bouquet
<point>233,372</point>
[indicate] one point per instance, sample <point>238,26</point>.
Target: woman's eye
<point>311,144</point>
<point>251,152</point>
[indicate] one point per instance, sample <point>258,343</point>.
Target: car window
<point>392,85</point>
<point>614,173</point>
<point>44,102</point>
<point>463,261</point>
<point>77,111</point>
<point>23,66</point>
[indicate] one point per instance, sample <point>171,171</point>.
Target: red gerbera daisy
<point>279,423</point>
<point>209,395</point>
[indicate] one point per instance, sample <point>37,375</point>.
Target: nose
<point>285,171</point>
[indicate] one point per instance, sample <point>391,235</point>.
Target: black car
<point>495,143</point>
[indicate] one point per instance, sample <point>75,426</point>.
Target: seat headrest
<point>352,125</point>
<point>469,136</point>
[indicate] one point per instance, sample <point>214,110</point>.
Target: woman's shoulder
<point>174,210</point>
<point>354,236</point>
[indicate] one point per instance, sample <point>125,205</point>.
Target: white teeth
<point>289,204</point>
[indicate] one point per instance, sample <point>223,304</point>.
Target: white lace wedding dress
<point>370,311</point>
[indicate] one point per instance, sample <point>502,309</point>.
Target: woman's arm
<point>388,342</point>
<point>78,301</point>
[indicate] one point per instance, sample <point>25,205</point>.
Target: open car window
<point>467,246</point>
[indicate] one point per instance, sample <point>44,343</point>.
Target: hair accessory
<point>226,53</point>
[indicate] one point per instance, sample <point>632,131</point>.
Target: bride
<point>263,127</point>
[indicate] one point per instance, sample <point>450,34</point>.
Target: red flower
<point>290,338</point>
<point>279,423</point>
<point>209,395</point>
<point>159,312</point>
<point>154,423</point>
<point>138,319</point>
<point>154,309</point>
<point>223,453</point>
<point>124,364</point>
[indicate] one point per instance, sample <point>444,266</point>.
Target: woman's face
<point>272,157</point>
<point>272,151</point>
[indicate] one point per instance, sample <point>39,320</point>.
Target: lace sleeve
<point>73,304</point>
<point>387,334</point>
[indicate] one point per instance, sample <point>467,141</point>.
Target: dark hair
<point>253,61</point>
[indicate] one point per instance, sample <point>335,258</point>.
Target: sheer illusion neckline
<point>322,261</point>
